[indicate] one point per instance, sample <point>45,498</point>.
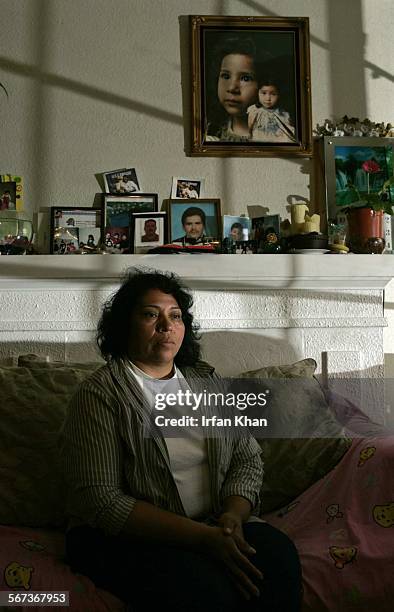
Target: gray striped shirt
<point>109,463</point>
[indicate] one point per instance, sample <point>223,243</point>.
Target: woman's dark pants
<point>160,577</point>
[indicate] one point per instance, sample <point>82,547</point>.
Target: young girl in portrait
<point>267,121</point>
<point>236,90</point>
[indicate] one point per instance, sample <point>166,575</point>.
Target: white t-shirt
<point>188,455</point>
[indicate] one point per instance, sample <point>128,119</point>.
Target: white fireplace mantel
<point>207,271</point>
<point>253,309</point>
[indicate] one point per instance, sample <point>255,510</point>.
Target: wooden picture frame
<point>208,227</point>
<point>345,179</point>
<point>233,59</point>
<point>116,218</point>
<point>75,228</point>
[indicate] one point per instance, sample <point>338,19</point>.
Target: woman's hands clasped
<point>226,542</point>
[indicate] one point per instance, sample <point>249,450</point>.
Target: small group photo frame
<point>194,222</point>
<point>270,115</point>
<point>117,219</point>
<point>148,231</point>
<point>75,229</point>
<point>122,181</point>
<point>187,188</point>
<point>234,227</point>
<point>11,192</point>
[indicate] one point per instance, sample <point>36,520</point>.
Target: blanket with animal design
<point>343,527</point>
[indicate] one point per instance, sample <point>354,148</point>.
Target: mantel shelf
<point>214,272</point>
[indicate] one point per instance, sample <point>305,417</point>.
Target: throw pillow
<point>305,440</point>
<point>32,410</point>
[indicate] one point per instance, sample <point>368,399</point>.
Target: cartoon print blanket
<point>343,527</point>
<point>32,560</point>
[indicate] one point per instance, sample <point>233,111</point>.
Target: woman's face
<point>193,226</point>
<point>237,85</point>
<point>157,329</point>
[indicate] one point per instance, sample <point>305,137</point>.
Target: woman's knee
<point>274,549</point>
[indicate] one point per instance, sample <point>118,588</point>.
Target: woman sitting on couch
<point>165,521</point>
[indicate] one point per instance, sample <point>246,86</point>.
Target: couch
<point>332,494</point>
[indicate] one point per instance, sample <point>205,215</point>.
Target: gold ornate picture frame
<point>251,91</point>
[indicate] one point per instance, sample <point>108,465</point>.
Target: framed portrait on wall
<point>250,86</point>
<point>357,169</point>
<point>117,219</point>
<point>148,231</point>
<point>193,223</point>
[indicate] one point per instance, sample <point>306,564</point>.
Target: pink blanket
<point>343,527</point>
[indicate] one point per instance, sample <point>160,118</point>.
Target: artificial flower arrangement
<point>380,200</point>
<point>352,126</point>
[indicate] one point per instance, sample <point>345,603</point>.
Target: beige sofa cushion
<point>32,410</point>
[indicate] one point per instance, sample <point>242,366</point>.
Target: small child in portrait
<point>267,121</point>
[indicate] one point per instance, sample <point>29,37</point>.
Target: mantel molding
<point>203,271</point>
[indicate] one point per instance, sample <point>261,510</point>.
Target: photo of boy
<point>236,228</point>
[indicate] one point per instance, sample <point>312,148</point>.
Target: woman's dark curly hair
<point>112,337</point>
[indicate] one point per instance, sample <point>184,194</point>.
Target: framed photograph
<point>121,181</point>
<point>148,230</point>
<point>73,229</point>
<point>233,227</point>
<point>356,169</point>
<point>251,90</point>
<point>117,218</point>
<point>194,223</point>
<point>11,192</point>
<point>186,188</point>
<point>268,224</point>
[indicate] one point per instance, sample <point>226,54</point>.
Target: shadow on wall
<point>234,352</point>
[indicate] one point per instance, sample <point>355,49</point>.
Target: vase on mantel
<point>366,230</point>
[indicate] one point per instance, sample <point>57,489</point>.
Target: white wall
<point>97,84</point>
